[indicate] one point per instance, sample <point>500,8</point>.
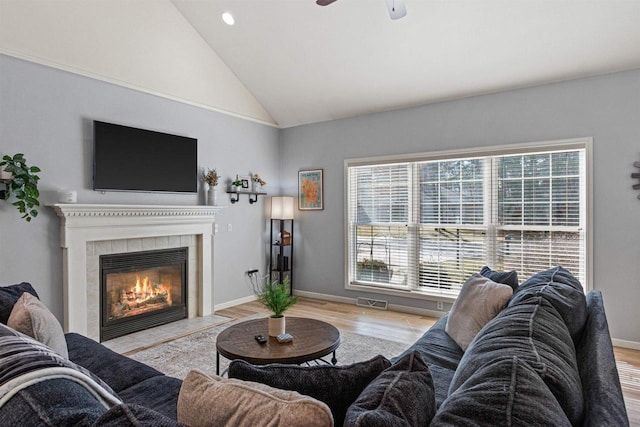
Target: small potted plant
<point>236,185</point>
<point>277,298</point>
<point>373,270</point>
<point>22,183</point>
<point>210,176</point>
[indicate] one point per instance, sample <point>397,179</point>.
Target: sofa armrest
<point>604,403</point>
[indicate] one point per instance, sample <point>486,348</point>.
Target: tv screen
<point>130,159</point>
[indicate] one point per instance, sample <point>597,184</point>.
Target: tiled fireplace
<point>91,234</point>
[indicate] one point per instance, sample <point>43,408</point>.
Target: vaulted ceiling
<point>305,63</point>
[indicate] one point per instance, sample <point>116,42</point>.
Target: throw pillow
<point>479,301</point>
<point>9,295</point>
<point>505,277</point>
<point>214,401</point>
<point>31,317</point>
<point>558,286</point>
<point>402,395</point>
<point>337,386</point>
<point>505,392</point>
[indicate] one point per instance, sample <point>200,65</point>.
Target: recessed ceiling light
<point>227,17</point>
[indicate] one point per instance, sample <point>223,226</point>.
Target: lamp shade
<point>282,207</point>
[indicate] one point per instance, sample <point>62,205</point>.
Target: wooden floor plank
<point>407,328</point>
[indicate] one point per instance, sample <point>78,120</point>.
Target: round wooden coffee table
<point>312,339</point>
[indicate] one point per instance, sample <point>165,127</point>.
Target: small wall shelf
<point>253,196</point>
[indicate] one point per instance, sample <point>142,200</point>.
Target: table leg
<point>333,359</point>
<point>217,363</point>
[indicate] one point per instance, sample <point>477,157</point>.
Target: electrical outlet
<point>229,227</point>
<point>440,305</point>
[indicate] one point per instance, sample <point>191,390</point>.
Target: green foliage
<point>372,264</point>
<point>23,185</point>
<point>276,297</point>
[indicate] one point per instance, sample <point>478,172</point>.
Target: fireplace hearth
<point>140,290</point>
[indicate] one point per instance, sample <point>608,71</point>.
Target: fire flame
<point>144,290</point>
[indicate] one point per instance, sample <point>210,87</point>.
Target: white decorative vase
<point>212,196</point>
<point>276,326</point>
<point>257,187</point>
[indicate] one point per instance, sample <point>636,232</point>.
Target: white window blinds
<point>427,224</point>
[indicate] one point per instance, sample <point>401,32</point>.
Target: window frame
<point>585,143</point>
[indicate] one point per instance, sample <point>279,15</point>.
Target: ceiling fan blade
<point>397,9</point>
<point>324,2</point>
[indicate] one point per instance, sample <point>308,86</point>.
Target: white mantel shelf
<point>82,223</point>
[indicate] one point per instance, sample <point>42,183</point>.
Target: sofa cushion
<point>505,277</point>
<point>504,392</point>
<point>159,393</point>
<point>214,401</point>
<point>535,333</point>
<point>33,318</point>
<point>402,395</point>
<point>563,291</point>
<point>24,360</point>
<point>441,353</point>
<point>9,295</point>
<point>134,415</point>
<point>100,360</point>
<point>479,301</point>
<point>337,386</point>
<point>55,402</point>
<point>40,387</point>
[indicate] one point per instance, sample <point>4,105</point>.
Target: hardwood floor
<point>406,328</point>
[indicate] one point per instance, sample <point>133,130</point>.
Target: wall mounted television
<point>131,159</point>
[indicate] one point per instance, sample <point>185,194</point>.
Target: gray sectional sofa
<point>545,359</point>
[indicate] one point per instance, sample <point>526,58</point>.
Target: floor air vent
<point>372,303</point>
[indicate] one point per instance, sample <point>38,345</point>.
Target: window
<point>424,224</point>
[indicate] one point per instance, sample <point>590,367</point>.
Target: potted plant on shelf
<point>210,176</point>
<point>277,298</point>
<point>23,184</point>
<point>236,185</point>
<point>373,270</point>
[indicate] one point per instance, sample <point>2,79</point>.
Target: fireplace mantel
<point>83,223</point>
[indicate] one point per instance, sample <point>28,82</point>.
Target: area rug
<point>198,351</point>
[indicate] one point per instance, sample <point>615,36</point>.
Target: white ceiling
<point>306,63</point>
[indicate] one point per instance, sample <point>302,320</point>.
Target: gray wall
<point>47,115</point>
<point>606,108</point>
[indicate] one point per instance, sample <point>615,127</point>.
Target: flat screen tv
<point>130,159</point>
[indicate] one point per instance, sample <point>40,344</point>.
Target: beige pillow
<point>479,301</point>
<point>211,401</point>
<point>31,317</point>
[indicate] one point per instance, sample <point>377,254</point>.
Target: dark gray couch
<point>546,359</point>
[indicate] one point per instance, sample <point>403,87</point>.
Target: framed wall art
<point>311,190</point>
<point>246,183</point>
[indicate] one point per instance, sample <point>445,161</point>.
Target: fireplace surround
<point>90,230</point>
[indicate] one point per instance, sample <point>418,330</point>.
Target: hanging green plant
<point>23,184</point>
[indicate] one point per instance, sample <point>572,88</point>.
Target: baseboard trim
<point>325,297</point>
<point>233,303</point>
<point>391,307</point>
<point>633,345</point>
